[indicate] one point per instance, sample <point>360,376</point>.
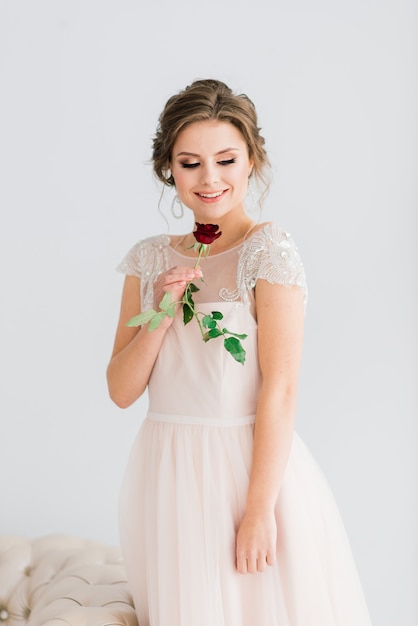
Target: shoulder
<point>274,256</point>
<point>269,234</point>
<point>143,253</point>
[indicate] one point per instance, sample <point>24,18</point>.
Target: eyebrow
<point>216,154</point>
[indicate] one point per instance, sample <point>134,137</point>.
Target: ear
<point>170,177</point>
<point>250,167</point>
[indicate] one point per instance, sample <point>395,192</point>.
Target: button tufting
<point>63,562</point>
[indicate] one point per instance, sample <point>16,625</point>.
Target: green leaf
<point>217,315</point>
<point>166,301</point>
<point>188,299</point>
<point>141,318</point>
<point>193,288</point>
<point>187,313</point>
<point>234,347</point>
<point>214,332</point>
<point>208,321</point>
<point>171,310</point>
<point>228,332</point>
<point>156,320</point>
<point>188,307</point>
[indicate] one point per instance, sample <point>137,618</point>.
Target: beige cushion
<point>62,581</point>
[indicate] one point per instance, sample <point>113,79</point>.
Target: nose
<point>209,174</point>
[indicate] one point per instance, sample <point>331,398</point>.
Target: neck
<point>233,233</point>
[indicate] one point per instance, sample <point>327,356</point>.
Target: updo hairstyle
<point>201,101</point>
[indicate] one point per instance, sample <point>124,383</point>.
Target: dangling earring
<point>179,215</point>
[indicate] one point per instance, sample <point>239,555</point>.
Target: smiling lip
<point>213,196</point>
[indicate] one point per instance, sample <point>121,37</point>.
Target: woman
<point>225,518</point>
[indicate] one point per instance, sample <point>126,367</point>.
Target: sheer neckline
<point>218,254</point>
<point>211,255</point>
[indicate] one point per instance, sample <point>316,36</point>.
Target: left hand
<point>256,542</point>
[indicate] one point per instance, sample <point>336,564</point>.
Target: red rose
<point>206,233</point>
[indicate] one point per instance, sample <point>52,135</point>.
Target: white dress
<point>185,486</point>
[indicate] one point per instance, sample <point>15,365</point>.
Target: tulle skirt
<point>181,503</point>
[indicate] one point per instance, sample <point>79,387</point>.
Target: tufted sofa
<point>62,581</point>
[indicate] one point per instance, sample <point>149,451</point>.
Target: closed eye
<point>190,165</point>
<point>227,162</point>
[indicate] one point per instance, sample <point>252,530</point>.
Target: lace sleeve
<point>146,260</point>
<point>280,262</point>
<point>270,254</point>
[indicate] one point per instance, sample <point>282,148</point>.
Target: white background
<point>82,84</point>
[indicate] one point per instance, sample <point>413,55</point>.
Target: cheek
<point>180,177</point>
<point>241,177</point>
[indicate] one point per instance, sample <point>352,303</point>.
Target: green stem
<point>201,251</point>
<point>195,313</point>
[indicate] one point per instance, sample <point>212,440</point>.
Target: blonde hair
<point>208,100</point>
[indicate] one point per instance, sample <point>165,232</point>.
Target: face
<point>210,166</point>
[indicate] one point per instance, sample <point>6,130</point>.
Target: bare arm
<point>280,316</point>
<point>135,350</point>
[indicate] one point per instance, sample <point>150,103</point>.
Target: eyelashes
<point>194,165</point>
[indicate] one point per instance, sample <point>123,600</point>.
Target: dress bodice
<point>217,386</point>
<point>193,378</point>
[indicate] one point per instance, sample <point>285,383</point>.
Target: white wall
<point>82,84</point>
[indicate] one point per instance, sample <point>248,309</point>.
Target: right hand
<point>256,542</point>
<point>174,280</point>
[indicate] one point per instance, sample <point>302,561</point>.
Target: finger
<point>170,279</point>
<point>242,565</point>
<point>252,563</point>
<point>183,268</point>
<point>175,285</point>
<point>271,558</point>
<point>261,563</point>
<point>188,271</point>
<point>176,280</point>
